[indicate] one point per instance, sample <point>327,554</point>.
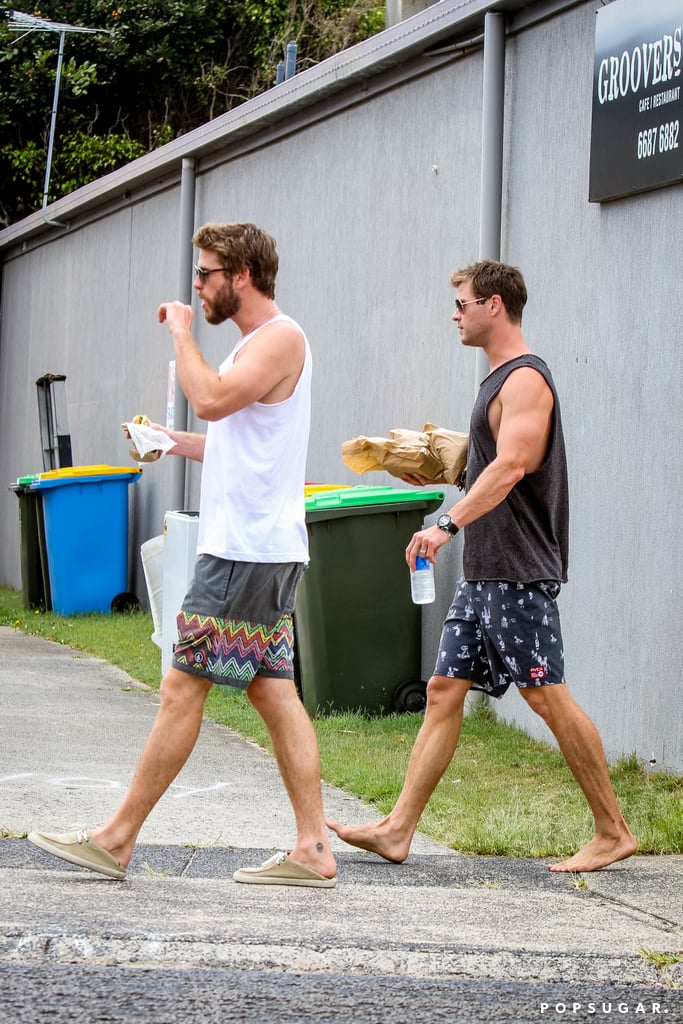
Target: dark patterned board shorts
<point>497,633</point>
<point>236,621</point>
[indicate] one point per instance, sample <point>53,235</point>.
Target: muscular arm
<point>265,370</point>
<point>520,418</point>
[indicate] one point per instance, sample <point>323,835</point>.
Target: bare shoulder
<point>526,384</point>
<point>282,336</point>
<point>270,364</point>
<point>280,340</point>
<point>284,328</point>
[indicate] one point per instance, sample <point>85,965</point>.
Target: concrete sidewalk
<point>72,729</point>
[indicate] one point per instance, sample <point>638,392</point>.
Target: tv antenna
<point>27,23</point>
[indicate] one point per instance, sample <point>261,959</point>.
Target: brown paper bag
<point>432,452</point>
<point>451,449</point>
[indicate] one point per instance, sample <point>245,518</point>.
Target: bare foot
<point>317,856</point>
<point>377,837</point>
<point>598,853</point>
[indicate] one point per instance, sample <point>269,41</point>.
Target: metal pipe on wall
<point>492,118</point>
<point>188,178</point>
<point>290,65</point>
<point>491,193</point>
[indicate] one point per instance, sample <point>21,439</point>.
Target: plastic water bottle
<point>422,582</point>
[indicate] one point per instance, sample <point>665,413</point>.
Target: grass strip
<point>504,793</point>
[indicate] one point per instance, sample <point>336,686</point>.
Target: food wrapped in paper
<point>433,452</point>
<point>149,443</point>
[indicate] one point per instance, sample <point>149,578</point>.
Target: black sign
<point>637,131</point>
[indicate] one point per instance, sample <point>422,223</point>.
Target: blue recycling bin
<point>85,511</point>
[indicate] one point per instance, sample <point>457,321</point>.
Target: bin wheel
<point>411,697</point>
<point>125,603</point>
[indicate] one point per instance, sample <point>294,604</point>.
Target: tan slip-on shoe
<point>79,848</point>
<point>282,870</point>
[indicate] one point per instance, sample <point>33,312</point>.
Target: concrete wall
<point>373,202</point>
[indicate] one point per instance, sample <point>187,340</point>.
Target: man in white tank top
<point>235,626</point>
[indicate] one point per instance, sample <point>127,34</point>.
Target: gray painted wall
<point>373,203</point>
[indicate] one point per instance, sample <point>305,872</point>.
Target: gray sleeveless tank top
<point>525,538</point>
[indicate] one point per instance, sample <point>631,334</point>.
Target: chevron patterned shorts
<point>236,621</point>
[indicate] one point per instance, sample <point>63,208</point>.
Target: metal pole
<point>188,177</point>
<point>53,122</point>
<point>27,23</point>
<point>491,196</point>
<point>290,67</point>
<point>493,108</point>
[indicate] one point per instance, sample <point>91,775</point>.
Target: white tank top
<point>252,491</point>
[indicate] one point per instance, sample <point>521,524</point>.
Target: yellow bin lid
<point>70,471</point>
<point>311,489</point>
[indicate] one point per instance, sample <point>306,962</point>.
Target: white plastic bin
<point>180,551</point>
<point>152,555</point>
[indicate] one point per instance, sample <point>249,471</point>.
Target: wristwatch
<point>445,523</point>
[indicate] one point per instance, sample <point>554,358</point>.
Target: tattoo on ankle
<point>319,847</point>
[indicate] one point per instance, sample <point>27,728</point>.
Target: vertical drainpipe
<point>493,107</point>
<point>185,275</point>
<point>491,196</point>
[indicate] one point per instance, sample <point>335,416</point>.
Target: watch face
<point>446,523</point>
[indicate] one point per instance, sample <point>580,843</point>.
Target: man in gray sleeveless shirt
<point>503,626</point>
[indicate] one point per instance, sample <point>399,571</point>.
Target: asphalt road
<point>83,995</point>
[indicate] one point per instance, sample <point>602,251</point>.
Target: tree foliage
<point>155,70</point>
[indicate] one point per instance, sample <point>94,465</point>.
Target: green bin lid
<point>356,497</point>
<point>23,484</point>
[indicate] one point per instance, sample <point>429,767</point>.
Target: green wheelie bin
<point>358,635</point>
<point>35,577</point>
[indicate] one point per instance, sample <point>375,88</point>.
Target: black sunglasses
<point>460,306</point>
<point>202,274</point>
